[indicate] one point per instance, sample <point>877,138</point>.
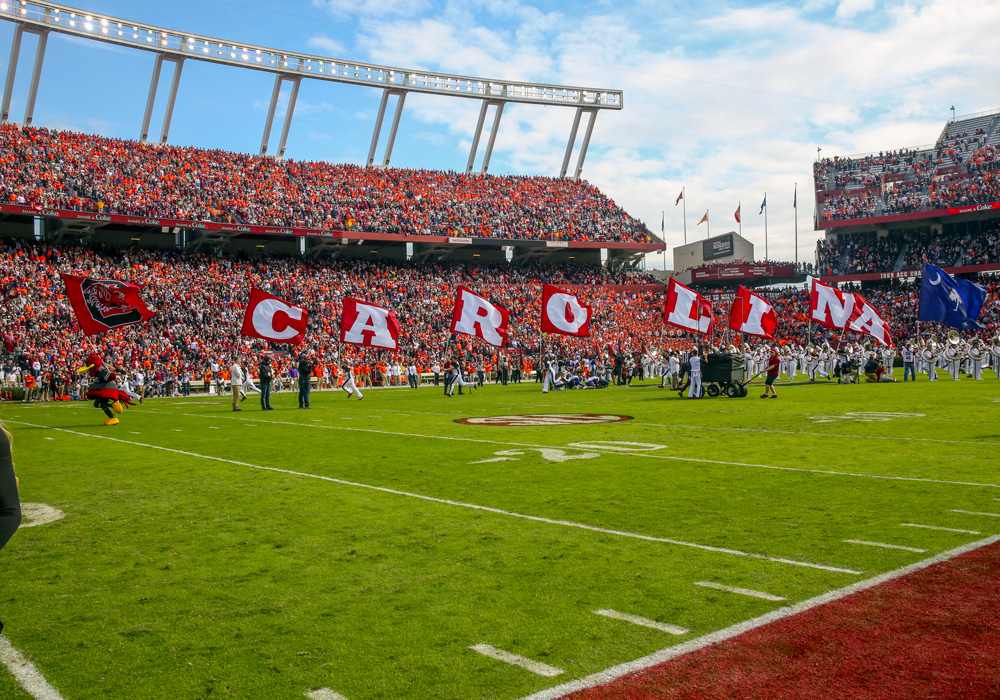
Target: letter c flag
<point>274,319</point>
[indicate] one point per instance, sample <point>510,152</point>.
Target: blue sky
<point>726,99</point>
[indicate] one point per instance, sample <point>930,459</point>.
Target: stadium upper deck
<point>121,183</point>
<point>957,175</point>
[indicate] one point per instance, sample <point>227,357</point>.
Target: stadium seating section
<point>65,170</point>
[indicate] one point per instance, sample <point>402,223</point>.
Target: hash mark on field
<point>213,427</point>
<point>740,591</point>
<point>883,545</point>
<point>636,620</point>
<point>25,672</point>
<point>324,694</point>
<point>975,512</point>
<point>943,529</point>
<point>445,501</point>
<point>515,660</point>
<point>672,652</point>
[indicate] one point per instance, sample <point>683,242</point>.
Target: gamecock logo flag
<point>688,310</point>
<point>563,313</point>
<point>830,307</point>
<point>752,314</point>
<point>101,305</point>
<point>370,325</point>
<point>478,317</point>
<point>865,319</point>
<point>274,319</point>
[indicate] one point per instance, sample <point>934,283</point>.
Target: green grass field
<point>365,546</point>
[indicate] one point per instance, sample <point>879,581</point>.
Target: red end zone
<point>934,633</point>
<point>545,419</point>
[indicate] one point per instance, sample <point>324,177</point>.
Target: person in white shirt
<point>349,385</point>
<point>140,383</point>
<point>235,382</point>
<point>411,375</point>
<point>436,369</point>
<point>694,392</point>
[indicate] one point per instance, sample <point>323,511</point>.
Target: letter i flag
<point>101,305</point>
<point>274,319</point>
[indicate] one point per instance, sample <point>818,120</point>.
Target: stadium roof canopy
<point>176,47</point>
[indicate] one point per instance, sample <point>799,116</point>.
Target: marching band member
<point>976,358</point>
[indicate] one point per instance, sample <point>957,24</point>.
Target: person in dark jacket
<point>266,375</point>
<point>305,367</point>
<point>10,504</point>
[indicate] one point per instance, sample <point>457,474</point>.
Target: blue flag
<point>952,301</point>
<point>762,205</point>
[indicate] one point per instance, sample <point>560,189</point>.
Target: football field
<point>404,547</point>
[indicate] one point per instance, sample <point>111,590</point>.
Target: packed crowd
<point>868,253</point>
<point>200,301</point>
<point>66,170</point>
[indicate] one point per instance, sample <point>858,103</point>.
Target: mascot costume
<point>104,389</point>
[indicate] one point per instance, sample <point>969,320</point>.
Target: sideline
<point>659,657</point>
<point>25,672</point>
<point>473,506</point>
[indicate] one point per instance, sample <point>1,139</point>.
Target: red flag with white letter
<point>101,305</point>
<point>688,310</point>
<point>370,325</point>
<point>563,313</point>
<point>274,319</point>
<point>865,319</point>
<point>752,314</point>
<point>829,306</point>
<point>474,315</point>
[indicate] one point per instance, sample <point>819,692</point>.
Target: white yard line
<point>883,545</point>
<point>659,657</point>
<point>324,694</point>
<point>636,620</point>
<point>740,591</point>
<point>822,435</point>
<point>976,512</point>
<point>460,504</point>
<point>25,672</point>
<point>943,529</point>
<point>698,460</point>
<point>514,660</point>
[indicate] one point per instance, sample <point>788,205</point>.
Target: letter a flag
<point>688,310</point>
<point>737,214</point>
<point>274,319</point>
<point>751,314</point>
<point>101,305</point>
<point>952,301</point>
<point>563,313</point>
<point>865,319</point>
<point>476,316</point>
<point>829,306</point>
<point>369,325</point>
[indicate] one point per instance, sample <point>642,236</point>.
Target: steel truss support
<point>171,97</point>
<point>400,99</point>
<point>289,111</point>
<point>36,73</point>
<point>479,133</point>
<point>572,141</point>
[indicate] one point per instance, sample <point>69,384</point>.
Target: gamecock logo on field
<point>546,419</point>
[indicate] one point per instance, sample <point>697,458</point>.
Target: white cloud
<point>851,8</point>
<point>328,46</point>
<point>373,8</point>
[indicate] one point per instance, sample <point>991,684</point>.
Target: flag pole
<point>663,236</point>
<point>708,226</point>
<point>795,205</point>
<point>765,226</point>
<point>684,209</point>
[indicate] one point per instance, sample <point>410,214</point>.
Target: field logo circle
<point>548,419</point>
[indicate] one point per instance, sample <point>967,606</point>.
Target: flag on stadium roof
<point>101,305</point>
<point>952,301</point>
<point>703,219</point>
<point>737,214</point>
<point>679,198</point>
<point>762,205</point>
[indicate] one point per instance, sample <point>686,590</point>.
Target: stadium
<point>437,422</point>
